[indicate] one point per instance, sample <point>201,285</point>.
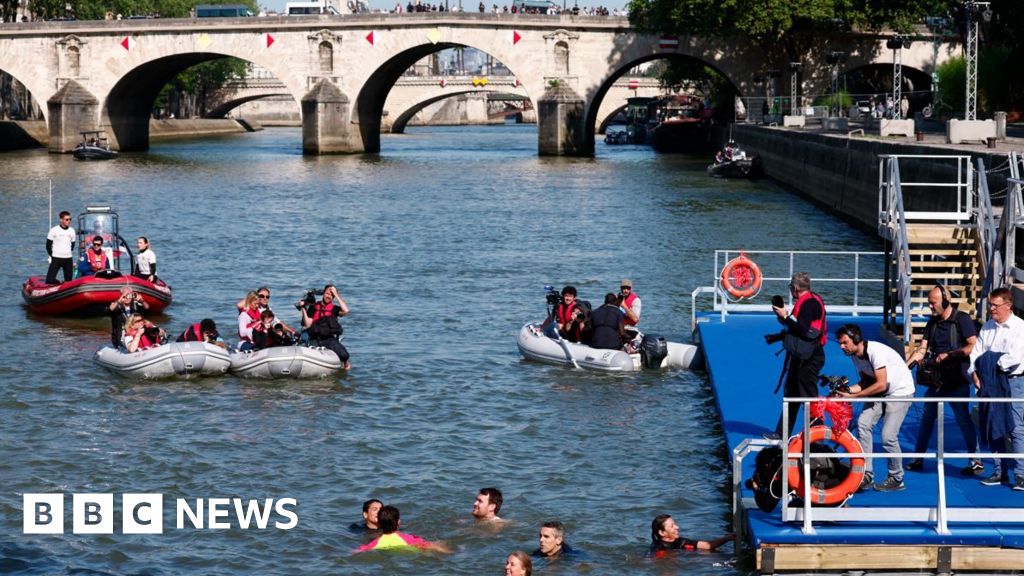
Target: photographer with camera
<point>321,322</point>
<point>803,337</point>
<point>128,303</point>
<point>942,360</point>
<point>882,373</point>
<point>204,331</point>
<point>269,333</point>
<point>140,335</point>
<point>263,303</point>
<point>570,317</point>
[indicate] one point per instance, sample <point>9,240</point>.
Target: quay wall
<point>23,134</point>
<point>840,173</point>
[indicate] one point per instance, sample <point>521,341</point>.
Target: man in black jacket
<point>803,336</point>
<point>608,325</point>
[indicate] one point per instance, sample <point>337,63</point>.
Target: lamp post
<point>897,43</point>
<point>973,11</point>
<point>794,71</point>
<point>835,59</point>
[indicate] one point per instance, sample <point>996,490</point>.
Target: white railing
<point>962,190</point>
<point>939,514</point>
<point>1014,217</point>
<point>843,293</point>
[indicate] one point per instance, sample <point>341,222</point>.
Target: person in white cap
<point>630,306</point>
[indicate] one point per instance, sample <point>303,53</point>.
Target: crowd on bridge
<point>416,6</point>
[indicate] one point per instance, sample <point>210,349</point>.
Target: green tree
<point>781,28</point>
<point>198,82</point>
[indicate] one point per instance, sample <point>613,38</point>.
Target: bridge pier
<point>326,126</point>
<point>561,123</point>
<point>72,110</point>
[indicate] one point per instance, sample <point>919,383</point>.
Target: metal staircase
<point>953,233</point>
<point>931,237</point>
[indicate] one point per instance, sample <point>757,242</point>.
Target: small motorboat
<point>92,293</point>
<point>544,345</point>
<point>734,162</point>
<point>285,362</point>
<point>94,146</point>
<point>613,137</point>
<point>181,359</point>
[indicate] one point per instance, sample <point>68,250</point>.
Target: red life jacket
<point>144,341</point>
<point>194,334</point>
<point>320,310</point>
<point>818,324</point>
<point>626,304</point>
<point>564,313</point>
<point>254,321</point>
<point>96,261</point>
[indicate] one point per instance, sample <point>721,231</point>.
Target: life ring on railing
<point>741,277</point>
<point>849,485</point>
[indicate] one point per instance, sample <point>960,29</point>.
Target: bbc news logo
<point>144,513</point>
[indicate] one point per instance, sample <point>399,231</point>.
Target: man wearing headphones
<point>882,373</point>
<point>948,340</point>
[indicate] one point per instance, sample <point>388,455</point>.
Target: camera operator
<point>948,340</point>
<point>269,333</point>
<point>204,331</point>
<point>322,325</point>
<point>570,316</point>
<point>882,373</point>
<point>130,302</point>
<point>263,303</point>
<point>803,336</point>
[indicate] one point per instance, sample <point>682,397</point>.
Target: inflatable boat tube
<point>535,345</point>
<point>185,359</point>
<point>285,362</point>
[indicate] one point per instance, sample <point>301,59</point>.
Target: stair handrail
<point>897,215</point>
<point>988,240</point>
<point>1013,216</point>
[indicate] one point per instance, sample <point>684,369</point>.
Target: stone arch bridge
<point>411,94</point>
<point>107,74</point>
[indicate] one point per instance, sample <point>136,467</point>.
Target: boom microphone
<point>777,301</point>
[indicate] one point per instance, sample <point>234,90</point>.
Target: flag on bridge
<point>270,40</point>
<point>369,37</point>
<point>514,37</point>
<point>127,43</point>
<point>669,42</point>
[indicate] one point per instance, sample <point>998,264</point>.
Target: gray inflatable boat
<point>655,353</point>
<point>184,359</point>
<point>285,362</point>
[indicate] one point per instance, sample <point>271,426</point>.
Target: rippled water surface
<point>441,245</point>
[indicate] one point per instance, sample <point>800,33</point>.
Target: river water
<point>440,245</point>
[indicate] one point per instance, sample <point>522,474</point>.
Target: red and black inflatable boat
<point>91,294</point>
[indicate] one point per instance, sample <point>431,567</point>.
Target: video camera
<point>552,296</point>
<point>309,298</point>
<point>835,384</point>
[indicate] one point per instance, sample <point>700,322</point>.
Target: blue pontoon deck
<point>978,527</point>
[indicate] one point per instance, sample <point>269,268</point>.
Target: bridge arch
<point>602,123</point>
<point>402,120</point>
<point>373,92</point>
<point>30,81</point>
<point>598,95</point>
<point>222,109</point>
<point>128,104</point>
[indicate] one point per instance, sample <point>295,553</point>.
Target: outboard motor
<point>653,350</point>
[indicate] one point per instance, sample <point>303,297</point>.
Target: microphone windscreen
<point>777,301</point>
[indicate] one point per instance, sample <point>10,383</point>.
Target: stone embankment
<point>840,171</point>
<point>18,134</point>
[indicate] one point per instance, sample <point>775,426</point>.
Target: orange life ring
<point>848,486</point>
<point>741,277</point>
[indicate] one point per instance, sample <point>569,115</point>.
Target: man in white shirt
<point>60,243</point>
<point>1003,334</point>
<point>882,373</point>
